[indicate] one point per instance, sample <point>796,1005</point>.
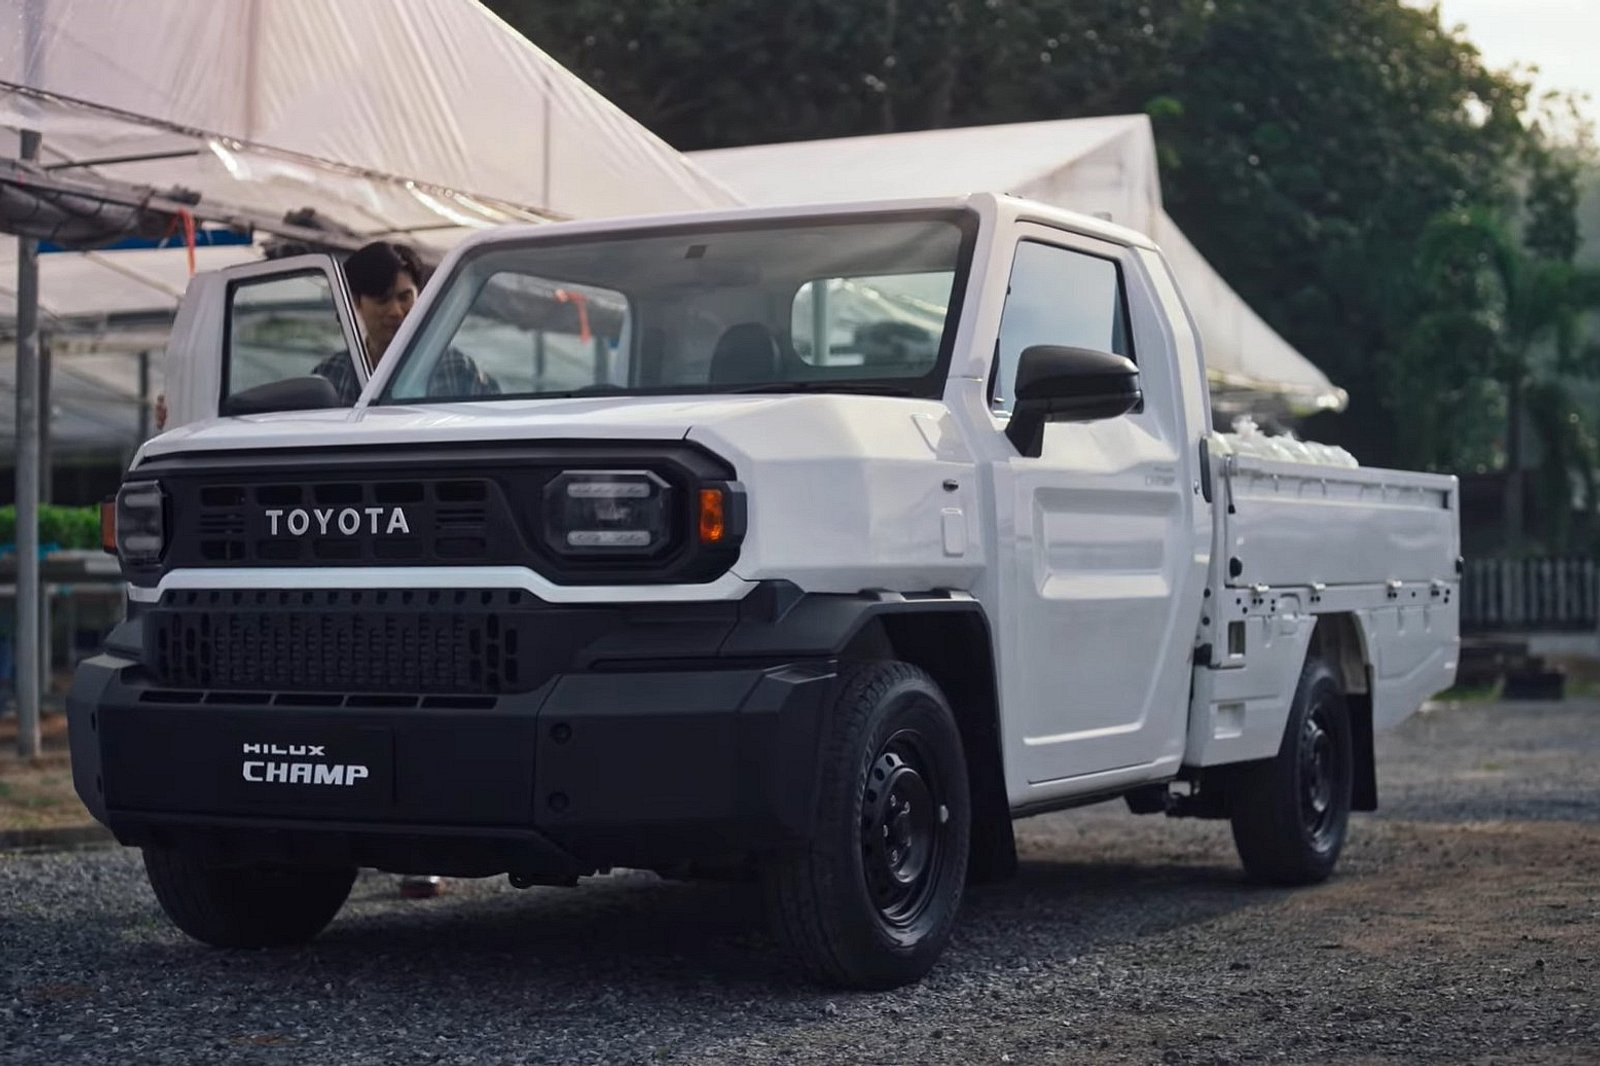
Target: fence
<point>1521,595</point>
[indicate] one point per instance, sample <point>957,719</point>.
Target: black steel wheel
<point>873,899</point>
<point>1291,813</point>
<point>1318,757</point>
<point>902,844</point>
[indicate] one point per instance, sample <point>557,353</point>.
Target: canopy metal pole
<point>26,658</point>
<point>144,397</point>
<point>46,495</point>
<point>46,456</point>
<point>821,337</point>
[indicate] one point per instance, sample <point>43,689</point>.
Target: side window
<point>285,326</point>
<point>890,323</point>
<point>1058,296</point>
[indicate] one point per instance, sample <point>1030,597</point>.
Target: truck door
<point>1101,532</point>
<point>258,323</point>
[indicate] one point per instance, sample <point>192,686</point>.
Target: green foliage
<point>716,73</point>
<point>1490,309</point>
<point>1317,140</point>
<point>65,527</point>
<point>1330,157</point>
<point>1552,205</point>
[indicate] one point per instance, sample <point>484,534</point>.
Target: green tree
<point>1308,146</point>
<point>1496,308</point>
<point>1305,146</point>
<point>718,73</point>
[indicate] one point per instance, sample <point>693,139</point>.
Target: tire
<point>1291,813</point>
<point>245,906</point>
<point>871,902</point>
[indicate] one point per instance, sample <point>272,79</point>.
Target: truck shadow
<point>572,948</point>
<point>672,966</point>
<point>561,966</point>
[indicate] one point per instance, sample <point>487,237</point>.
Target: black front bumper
<point>646,767</point>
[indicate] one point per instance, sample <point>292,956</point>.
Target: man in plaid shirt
<point>384,278</point>
<point>454,375</point>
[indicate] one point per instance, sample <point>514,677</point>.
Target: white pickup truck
<point>813,545</point>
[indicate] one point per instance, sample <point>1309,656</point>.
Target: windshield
<point>864,304</point>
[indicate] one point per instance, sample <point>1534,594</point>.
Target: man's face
<point>381,315</point>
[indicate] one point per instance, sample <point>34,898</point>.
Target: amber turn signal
<point>713,525</point>
<point>108,526</point>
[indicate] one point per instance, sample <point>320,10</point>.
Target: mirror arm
<point>1025,430</point>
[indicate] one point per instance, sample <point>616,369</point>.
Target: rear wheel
<point>872,900</point>
<point>246,906</point>
<point>1291,813</point>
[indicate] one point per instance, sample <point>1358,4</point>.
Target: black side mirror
<point>1057,384</point>
<point>310,393</point>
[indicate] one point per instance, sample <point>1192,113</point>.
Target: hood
<point>585,418</point>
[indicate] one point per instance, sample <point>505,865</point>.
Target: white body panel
<point>828,521</point>
<point>194,380</point>
<point>727,587</point>
<point>1094,562</point>
<point>1301,540</point>
<point>1299,524</point>
<point>1414,648</point>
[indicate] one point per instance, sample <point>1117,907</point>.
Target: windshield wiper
<point>568,394</point>
<point>874,388</point>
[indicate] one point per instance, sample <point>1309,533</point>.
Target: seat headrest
<point>745,355</point>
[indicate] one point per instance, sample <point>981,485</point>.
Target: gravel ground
<point>1463,926</point>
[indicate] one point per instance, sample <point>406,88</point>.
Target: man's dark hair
<point>373,269</point>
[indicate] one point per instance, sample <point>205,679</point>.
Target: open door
<point>246,339</point>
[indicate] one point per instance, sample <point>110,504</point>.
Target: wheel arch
<point>954,646</point>
<point>1341,643</point>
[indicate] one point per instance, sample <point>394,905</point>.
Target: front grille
<point>395,507</point>
<point>413,641</point>
<point>445,520</point>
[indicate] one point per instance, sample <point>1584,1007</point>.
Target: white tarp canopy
<point>1100,166</point>
<point>386,115</point>
<point>100,309</point>
<point>415,119</point>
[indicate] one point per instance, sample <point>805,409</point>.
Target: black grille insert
<point>344,641</point>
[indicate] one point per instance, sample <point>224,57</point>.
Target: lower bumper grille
<point>342,641</point>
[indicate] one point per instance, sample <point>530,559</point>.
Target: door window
<point>1062,297</point>
<point>284,326</point>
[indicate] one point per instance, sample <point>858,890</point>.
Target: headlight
<point>607,512</point>
<point>141,532</point>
